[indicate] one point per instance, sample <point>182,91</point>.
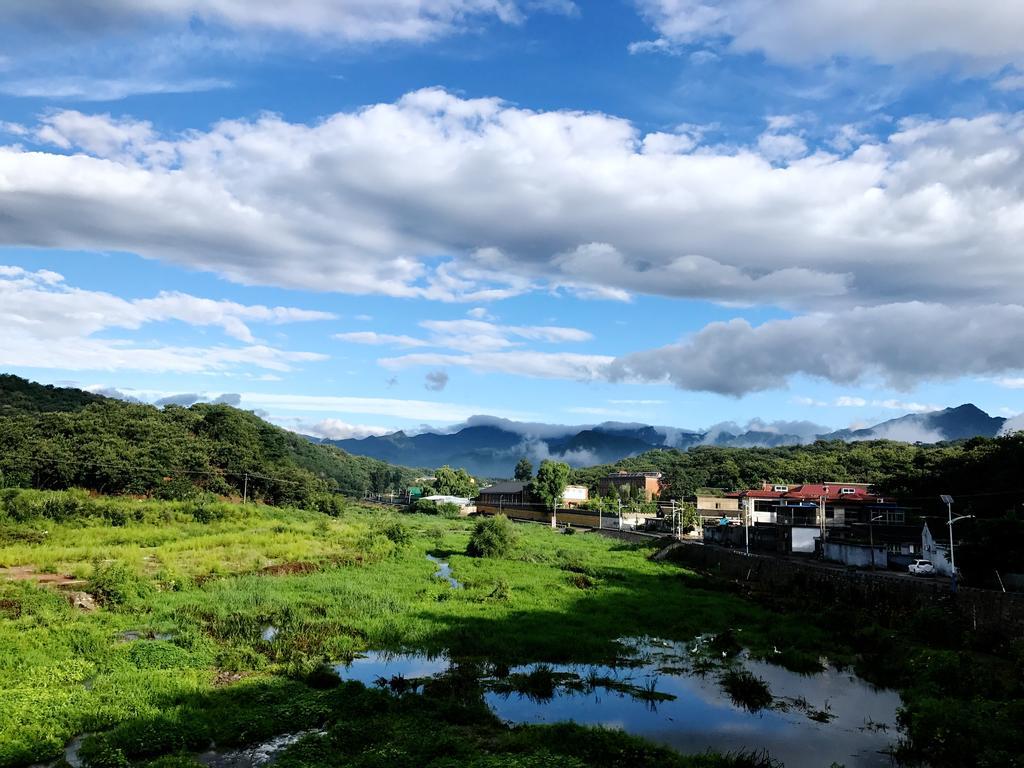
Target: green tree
<point>453,482</point>
<point>552,477</point>
<point>524,470</point>
<point>492,537</point>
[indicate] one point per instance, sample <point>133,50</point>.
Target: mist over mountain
<point>491,446</point>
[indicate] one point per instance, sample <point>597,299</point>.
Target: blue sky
<point>358,216</point>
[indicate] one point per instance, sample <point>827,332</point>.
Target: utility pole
<point>245,489</point>
<point>675,526</point>
<point>748,508</point>
<point>871,533</point>
<point>821,512</point>
<point>620,513</point>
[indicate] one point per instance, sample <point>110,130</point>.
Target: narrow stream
<point>444,571</point>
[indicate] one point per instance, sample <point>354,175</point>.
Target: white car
<point>921,568</point>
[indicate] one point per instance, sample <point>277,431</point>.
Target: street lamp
<point>871,533</point>
<point>948,501</point>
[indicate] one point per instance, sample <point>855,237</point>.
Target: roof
<point>811,492</point>
<point>506,487</point>
<point>628,475</point>
<point>460,500</point>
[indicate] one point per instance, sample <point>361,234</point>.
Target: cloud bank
<point>800,31</point>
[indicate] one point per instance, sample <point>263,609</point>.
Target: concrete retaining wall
<point>892,599</point>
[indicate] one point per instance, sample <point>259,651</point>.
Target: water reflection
<point>669,693</point>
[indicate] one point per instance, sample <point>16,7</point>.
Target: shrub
<point>424,507</point>
<point>396,531</point>
<point>492,537</point>
<point>443,509</point>
<point>326,503</point>
<point>114,584</point>
<point>449,511</point>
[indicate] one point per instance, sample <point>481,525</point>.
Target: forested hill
<point>60,438</point>
<point>18,395</point>
<point>984,475</point>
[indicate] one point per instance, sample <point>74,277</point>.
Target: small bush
<point>396,531</point>
<point>326,503</point>
<point>443,509</point>
<point>115,584</point>
<point>492,537</point>
<point>449,511</point>
<point>424,507</point>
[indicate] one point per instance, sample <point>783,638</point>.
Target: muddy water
<point>658,694</point>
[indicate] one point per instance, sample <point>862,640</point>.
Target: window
<point>781,488</point>
<point>847,491</point>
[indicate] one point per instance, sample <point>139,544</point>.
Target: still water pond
<point>664,693</point>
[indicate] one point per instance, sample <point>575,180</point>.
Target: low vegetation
<point>223,624</point>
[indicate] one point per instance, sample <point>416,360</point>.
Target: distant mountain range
<point>490,447</point>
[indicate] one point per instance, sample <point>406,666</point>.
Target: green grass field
<point>174,657</point>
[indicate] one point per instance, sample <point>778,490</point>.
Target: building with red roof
<point>803,504</point>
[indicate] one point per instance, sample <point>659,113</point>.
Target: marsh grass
<point>211,584</point>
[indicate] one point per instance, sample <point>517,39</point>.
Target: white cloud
<point>847,401</point>
<point>371,337</point>
<point>1012,425</point>
<point>901,343</point>
<point>544,365</point>
<point>1010,382</point>
<point>49,324</point>
<point>416,410</point>
<point>348,21</point>
<point>336,429</point>
<point>42,304</point>
<point>470,335</point>
<point>888,32</point>
<point>87,88</point>
<point>781,146</point>
<point>1010,83</point>
<point>474,200</point>
<point>905,432</point>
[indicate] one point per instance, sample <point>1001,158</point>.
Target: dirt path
<point>28,573</point>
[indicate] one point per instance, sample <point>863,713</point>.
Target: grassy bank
<point>177,653</point>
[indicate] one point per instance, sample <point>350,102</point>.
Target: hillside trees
<point>111,446</point>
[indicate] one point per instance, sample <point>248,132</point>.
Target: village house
<point>836,520</point>
<point>648,484</point>
<point>515,493</point>
<point>714,507</point>
<point>803,504</point>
